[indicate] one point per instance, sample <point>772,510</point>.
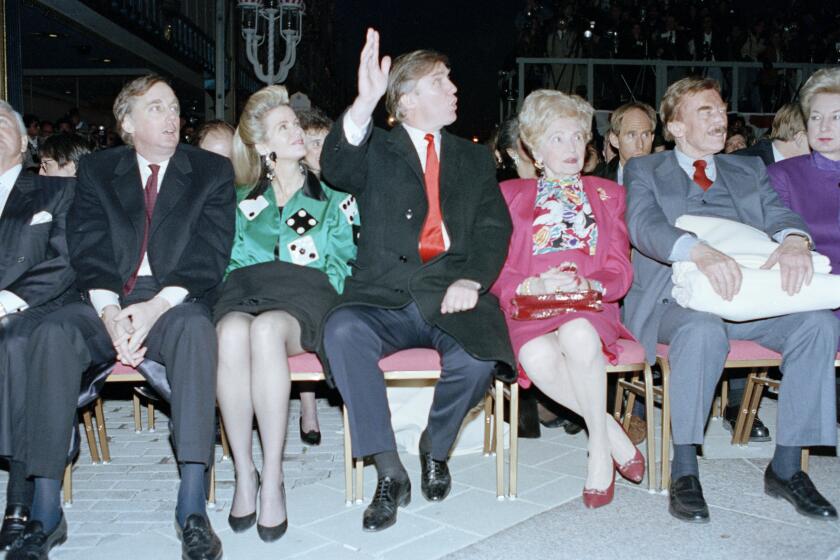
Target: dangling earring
<point>268,170</point>
<point>538,164</point>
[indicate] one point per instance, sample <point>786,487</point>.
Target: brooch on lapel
<point>602,194</point>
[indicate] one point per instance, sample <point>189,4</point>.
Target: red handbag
<point>544,306</point>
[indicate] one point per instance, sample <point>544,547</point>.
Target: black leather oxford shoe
<point>800,492</point>
<point>198,540</point>
<point>14,522</point>
<point>435,480</point>
<point>758,433</point>
<point>382,512</point>
<point>685,500</point>
<point>35,543</point>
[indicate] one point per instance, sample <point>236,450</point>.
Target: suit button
<point>403,259</point>
<point>399,291</point>
<point>666,300</point>
<point>409,214</point>
<point>21,259</point>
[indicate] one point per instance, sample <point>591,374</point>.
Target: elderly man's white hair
<point>4,106</point>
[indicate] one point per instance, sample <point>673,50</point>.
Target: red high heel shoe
<point>634,469</point>
<point>598,498</point>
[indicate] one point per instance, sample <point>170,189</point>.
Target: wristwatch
<point>805,237</point>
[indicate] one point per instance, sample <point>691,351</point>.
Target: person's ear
<point>676,128</point>
<point>613,138</point>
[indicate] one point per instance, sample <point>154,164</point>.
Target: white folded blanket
<point>761,293</point>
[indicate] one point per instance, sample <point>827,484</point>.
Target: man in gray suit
<point>693,180</point>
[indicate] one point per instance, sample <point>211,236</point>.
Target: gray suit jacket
<point>657,190</point>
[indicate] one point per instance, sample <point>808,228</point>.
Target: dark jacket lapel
<point>16,215</point>
<point>672,187</point>
<point>176,183</point>
<point>450,165</point>
<point>128,191</point>
<point>400,143</point>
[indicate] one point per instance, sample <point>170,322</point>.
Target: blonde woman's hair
<point>544,106</point>
<point>787,123</point>
<point>669,107</point>
<point>824,80</point>
<point>247,164</point>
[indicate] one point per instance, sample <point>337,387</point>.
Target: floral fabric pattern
<point>563,217</point>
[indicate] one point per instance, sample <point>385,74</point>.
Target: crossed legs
<point>569,366</point>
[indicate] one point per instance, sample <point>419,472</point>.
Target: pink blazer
<point>610,265</point>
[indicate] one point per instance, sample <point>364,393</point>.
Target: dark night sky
<point>478,37</point>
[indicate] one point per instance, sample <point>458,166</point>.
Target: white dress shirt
<point>11,303</point>
<point>100,299</point>
<point>355,134</point>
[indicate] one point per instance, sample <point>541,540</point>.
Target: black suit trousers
<point>358,336</point>
<point>73,339</point>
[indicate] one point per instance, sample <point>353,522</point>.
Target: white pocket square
<point>41,217</point>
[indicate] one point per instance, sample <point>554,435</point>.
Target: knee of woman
<point>232,329</point>
<point>579,338</point>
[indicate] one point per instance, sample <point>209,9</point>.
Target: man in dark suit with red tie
<point>434,236</point>
<point>35,279</point>
<point>149,232</point>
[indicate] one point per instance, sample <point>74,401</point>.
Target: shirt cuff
<point>682,248</point>
<point>353,132</point>
<point>780,236</point>
<point>11,303</point>
<point>100,299</point>
<point>173,294</point>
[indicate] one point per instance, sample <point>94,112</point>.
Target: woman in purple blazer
<point>810,184</point>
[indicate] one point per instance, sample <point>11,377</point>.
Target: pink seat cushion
<point>630,352</point>
<point>122,369</point>
<point>305,363</point>
<point>739,350</point>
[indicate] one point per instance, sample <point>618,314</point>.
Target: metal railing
<point>663,72</point>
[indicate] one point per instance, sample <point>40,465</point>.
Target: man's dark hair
<point>29,118</point>
<point>313,119</point>
<point>65,148</point>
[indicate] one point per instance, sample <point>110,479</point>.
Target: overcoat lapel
<point>400,143</point>
<point>16,215</point>
<point>672,187</point>
<point>176,184</point>
<point>128,191</point>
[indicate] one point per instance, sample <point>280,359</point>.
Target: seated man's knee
<point>342,327</point>
<point>819,324</point>
<point>704,330</point>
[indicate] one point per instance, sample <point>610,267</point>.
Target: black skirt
<point>303,292</point>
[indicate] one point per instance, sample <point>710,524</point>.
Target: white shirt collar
<point>145,171</point>
<point>777,155</point>
<point>418,139</point>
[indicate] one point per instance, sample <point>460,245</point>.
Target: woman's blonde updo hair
<point>824,80</point>
<point>247,163</point>
<point>544,106</point>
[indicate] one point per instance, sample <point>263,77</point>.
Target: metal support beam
<point>84,72</point>
<point>108,30</point>
<point>219,99</point>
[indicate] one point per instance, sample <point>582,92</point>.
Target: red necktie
<point>150,196</point>
<point>431,236</point>
<point>700,175</point>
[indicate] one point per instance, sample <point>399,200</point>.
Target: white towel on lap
<point>761,293</point>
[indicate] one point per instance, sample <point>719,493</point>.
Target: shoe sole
<point>696,520</point>
<point>728,427</point>
<point>780,496</point>
<point>436,500</point>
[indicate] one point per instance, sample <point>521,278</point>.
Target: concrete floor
<point>125,509</point>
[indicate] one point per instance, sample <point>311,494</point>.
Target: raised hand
<point>372,79</point>
<point>721,270</point>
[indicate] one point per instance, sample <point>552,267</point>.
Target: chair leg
<point>743,410</point>
<point>619,398</point>
<point>360,481</point>
<point>631,402</point>
<point>225,444</point>
<point>150,416</point>
<point>348,459</point>
<point>91,438</point>
<point>68,484</point>
<point>755,401</point>
<point>665,476</point>
<point>488,422</point>
<point>211,498</point>
<point>103,433</point>
<point>724,396</point>
<point>138,425</point>
<point>651,444</point>
<point>499,414</point>
<point>804,460</point>
<point>514,439</point>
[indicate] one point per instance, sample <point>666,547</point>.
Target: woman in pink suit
<point>569,234</point>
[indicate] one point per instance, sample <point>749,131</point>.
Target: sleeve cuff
<point>681,250</point>
<point>100,299</point>
<point>173,294</point>
<point>353,132</point>
<point>11,302</point>
<point>779,237</point>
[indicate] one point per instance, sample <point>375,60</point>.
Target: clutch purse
<point>543,306</point>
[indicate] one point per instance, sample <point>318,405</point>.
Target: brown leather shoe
<point>637,431</point>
